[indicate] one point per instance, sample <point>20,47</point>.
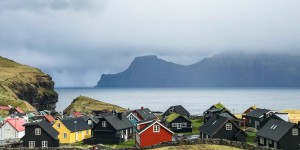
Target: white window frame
<point>44,143</point>
<point>65,135</point>
<point>174,125</point>
<point>37,131</point>
<point>183,125</point>
<point>31,144</point>
<point>295,132</point>
<point>228,126</point>
<point>90,122</point>
<point>58,125</point>
<point>131,117</point>
<point>156,128</point>
<point>104,124</point>
<point>171,110</point>
<point>261,140</point>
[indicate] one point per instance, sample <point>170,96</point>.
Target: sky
<point>75,41</point>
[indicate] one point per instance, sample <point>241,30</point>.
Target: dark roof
<point>80,124</point>
<point>46,127</point>
<point>258,112</point>
<point>275,129</point>
<point>179,110</point>
<point>95,119</point>
<point>214,124</point>
<point>117,123</point>
<point>145,113</point>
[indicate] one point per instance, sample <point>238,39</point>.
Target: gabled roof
<point>145,113</point>
<point>117,123</point>
<point>219,106</point>
<point>19,110</point>
<point>275,129</point>
<point>4,108</point>
<point>46,127</point>
<point>49,118</point>
<point>128,113</point>
<point>151,124</point>
<point>174,116</point>
<point>214,124</point>
<point>179,110</point>
<point>95,119</point>
<point>16,123</point>
<point>258,113</point>
<point>77,114</point>
<point>80,124</point>
<point>250,108</point>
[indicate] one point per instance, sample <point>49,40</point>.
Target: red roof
<point>4,108</point>
<point>19,110</point>
<point>77,114</point>
<point>17,123</point>
<point>49,118</point>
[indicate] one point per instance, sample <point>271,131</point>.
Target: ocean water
<point>195,100</point>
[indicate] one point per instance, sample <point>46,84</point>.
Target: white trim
<point>133,116</point>
<point>152,125</point>
<point>144,122</point>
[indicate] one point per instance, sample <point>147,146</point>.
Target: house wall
<point>289,142</point>
<point>30,136</point>
<point>106,135</point>
<point>228,134</point>
<point>9,132</point>
<point>251,122</point>
<point>180,120</point>
<point>149,137</point>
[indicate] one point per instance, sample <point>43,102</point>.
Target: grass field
<point>126,144</point>
<point>251,137</point>
<point>198,147</point>
<point>294,115</point>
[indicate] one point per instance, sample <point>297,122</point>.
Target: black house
<point>221,112</point>
<point>257,116</point>
<point>111,129</point>
<point>91,121</point>
<point>178,123</point>
<point>279,134</point>
<point>222,128</point>
<point>176,109</point>
<point>40,134</point>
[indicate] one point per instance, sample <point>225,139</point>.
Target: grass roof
<point>219,106</point>
<point>172,117</point>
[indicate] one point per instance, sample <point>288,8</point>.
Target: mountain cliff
<point>26,87</point>
<point>228,69</point>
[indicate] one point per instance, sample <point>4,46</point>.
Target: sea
<point>195,100</point>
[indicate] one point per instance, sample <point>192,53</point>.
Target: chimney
<point>142,108</point>
<point>265,115</point>
<point>119,115</point>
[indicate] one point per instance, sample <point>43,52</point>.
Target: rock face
<point>85,104</point>
<point>229,69</point>
<point>25,86</point>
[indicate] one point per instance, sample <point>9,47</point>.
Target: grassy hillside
<point>85,104</point>
<point>294,115</point>
<point>21,85</point>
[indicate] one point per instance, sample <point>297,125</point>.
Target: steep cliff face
<point>26,87</point>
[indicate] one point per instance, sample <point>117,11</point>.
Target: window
<point>65,135</point>
<point>174,125</point>
<point>138,127</point>
<point>171,110</point>
<point>261,140</point>
<point>130,117</point>
<point>58,125</point>
<point>38,131</point>
<point>228,126</point>
<point>104,124</point>
<point>87,131</point>
<point>44,143</point>
<point>31,144</point>
<point>156,128</point>
<point>90,122</point>
<point>295,132</point>
<point>184,124</point>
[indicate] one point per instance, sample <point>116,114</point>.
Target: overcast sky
<point>75,41</point>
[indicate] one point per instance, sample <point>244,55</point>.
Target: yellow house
<point>72,130</point>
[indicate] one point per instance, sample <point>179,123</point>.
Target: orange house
<point>152,132</point>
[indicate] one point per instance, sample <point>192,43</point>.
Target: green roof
<point>219,106</point>
<point>172,117</point>
<point>30,115</point>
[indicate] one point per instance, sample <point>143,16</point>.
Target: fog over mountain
<point>228,69</point>
<point>76,41</point>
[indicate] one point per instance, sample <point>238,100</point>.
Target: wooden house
<point>244,118</point>
<point>178,123</point>
<point>72,130</point>
<point>279,134</point>
<point>217,109</point>
<point>176,109</point>
<point>111,129</point>
<point>12,129</point>
<point>257,116</point>
<point>132,118</point>
<point>143,114</point>
<point>40,134</point>
<point>90,120</point>
<point>151,132</point>
<point>222,128</point>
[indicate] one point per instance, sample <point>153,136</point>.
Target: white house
<point>12,129</point>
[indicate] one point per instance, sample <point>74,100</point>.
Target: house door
<point>256,124</point>
<point>126,134</point>
<point>179,126</point>
<point>76,136</point>
<point>275,145</point>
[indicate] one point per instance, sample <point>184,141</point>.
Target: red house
<point>152,132</point>
<point>144,114</point>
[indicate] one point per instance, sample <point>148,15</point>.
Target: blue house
<point>131,117</point>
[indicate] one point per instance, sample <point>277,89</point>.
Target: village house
<point>132,118</point>
<point>178,123</point>
<point>90,120</point>
<point>46,117</point>
<point>16,110</point>
<point>279,134</point>
<point>244,118</point>
<point>111,129</point>
<point>176,109</point>
<point>72,130</point>
<point>218,109</point>
<point>151,132</point>
<point>143,114</point>
<point>222,128</point>
<point>257,116</point>
<point>12,129</point>
<point>76,114</point>
<point>40,134</point>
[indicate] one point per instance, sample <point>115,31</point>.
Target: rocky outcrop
<point>25,86</point>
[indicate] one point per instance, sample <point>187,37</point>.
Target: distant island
<point>228,69</point>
